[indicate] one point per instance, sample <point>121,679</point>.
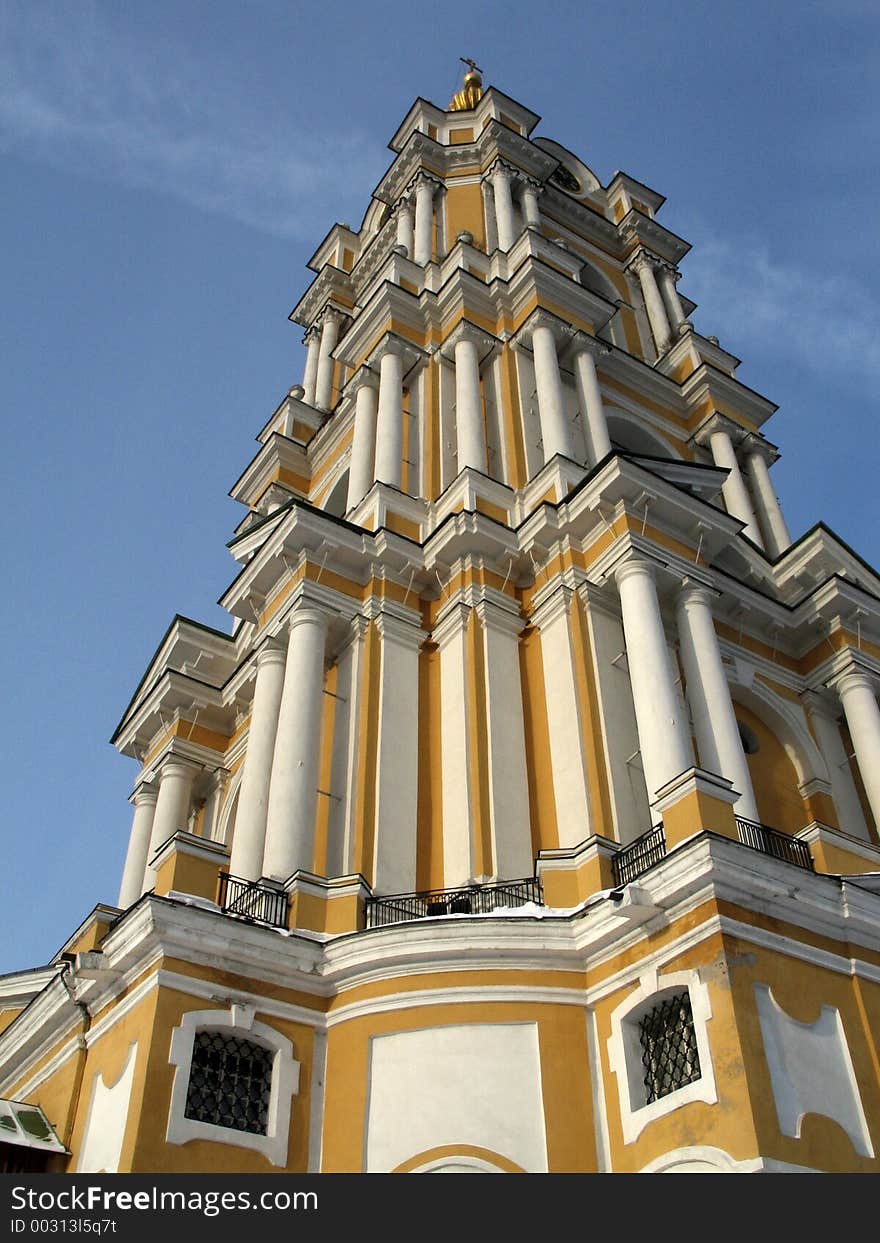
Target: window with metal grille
<point>669,1046</point>
<point>230,1082</point>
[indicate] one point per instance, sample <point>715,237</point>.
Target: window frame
<point>237,1021</point>
<point>625,1050</point>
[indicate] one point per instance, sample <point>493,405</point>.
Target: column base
<point>693,802</point>
<point>553,482</point>
<point>189,864</point>
<point>472,490</point>
<point>569,875</point>
<point>330,906</point>
<point>387,508</point>
<point>839,854</point>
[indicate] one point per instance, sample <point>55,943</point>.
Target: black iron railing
<point>250,900</point>
<point>470,900</point>
<point>638,856</point>
<point>772,842</point>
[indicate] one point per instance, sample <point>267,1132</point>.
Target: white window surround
<point>625,1050</point>
<point>239,1019</point>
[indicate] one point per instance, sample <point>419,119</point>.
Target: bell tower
<point>538,760</point>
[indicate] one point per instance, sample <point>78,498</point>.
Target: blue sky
<point>167,170</point>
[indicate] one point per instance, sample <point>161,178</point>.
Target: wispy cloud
<point>748,299</point>
<point>75,94</point>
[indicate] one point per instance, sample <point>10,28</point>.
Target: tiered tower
<point>526,819</point>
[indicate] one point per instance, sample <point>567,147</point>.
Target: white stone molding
<point>104,1131</point>
<point>131,888</point>
<point>708,693</point>
<point>857,693</point>
<point>253,801</point>
<point>811,1070</point>
<point>293,789</point>
<point>664,738</point>
<point>238,1021</point>
<point>625,1050</point>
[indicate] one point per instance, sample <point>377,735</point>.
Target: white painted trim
<point>316,1102</point>
<point>285,1083</point>
<point>624,1051</point>
<point>455,996</point>
<point>64,1054</point>
<point>209,990</point>
<point>724,1163</point>
<point>600,1113</point>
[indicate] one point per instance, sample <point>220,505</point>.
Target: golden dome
<point>470,94</point>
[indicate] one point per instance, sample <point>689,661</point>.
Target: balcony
<point>249,900</point>
<point>638,856</point>
<point>469,900</point>
<point>772,842</point>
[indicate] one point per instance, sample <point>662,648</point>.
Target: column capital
<point>694,589</point>
<point>500,168</point>
<point>757,446</point>
<point>313,332</point>
<point>540,318</point>
<point>364,377</point>
<point>496,616</point>
<point>423,178</point>
<point>172,764</point>
<point>668,269</point>
<point>643,259</point>
<point>853,679</point>
<point>634,567</point>
<point>270,653</point>
<point>145,795</point>
<point>464,330</point>
<point>717,422</point>
<point>329,312</point>
<point>391,343</point>
<point>583,343</point>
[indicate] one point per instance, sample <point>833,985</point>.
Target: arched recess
<point>224,829</point>
<point>459,1159</point>
<point>785,758</point>
<point>336,502</point>
<point>698,1159</point>
<point>634,437</point>
<point>598,282</point>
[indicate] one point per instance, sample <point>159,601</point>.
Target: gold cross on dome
<point>466,60</point>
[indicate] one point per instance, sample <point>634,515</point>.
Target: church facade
<point>527,818</point>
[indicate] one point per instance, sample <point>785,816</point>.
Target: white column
<point>397,758</point>
<point>504,216</point>
<point>312,340</point>
<point>144,799</point>
<point>590,398</point>
<point>708,693</point>
<point>469,406</point>
<point>555,429</point>
<point>422,245</point>
<point>531,211</point>
<point>508,783</point>
<point>653,302</point>
<point>570,786</point>
<point>363,448</point>
<point>856,691</point>
<point>843,788</point>
<point>293,791</point>
<point>389,424</point>
<point>663,734</point>
<point>734,491</point>
<point>249,837</point>
<point>775,528</point>
<point>455,767</point>
<point>324,382</point>
<point>172,808</point>
<point>674,309</point>
<point>405,233</point>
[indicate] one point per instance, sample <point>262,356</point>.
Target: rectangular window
<point>669,1047</point>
